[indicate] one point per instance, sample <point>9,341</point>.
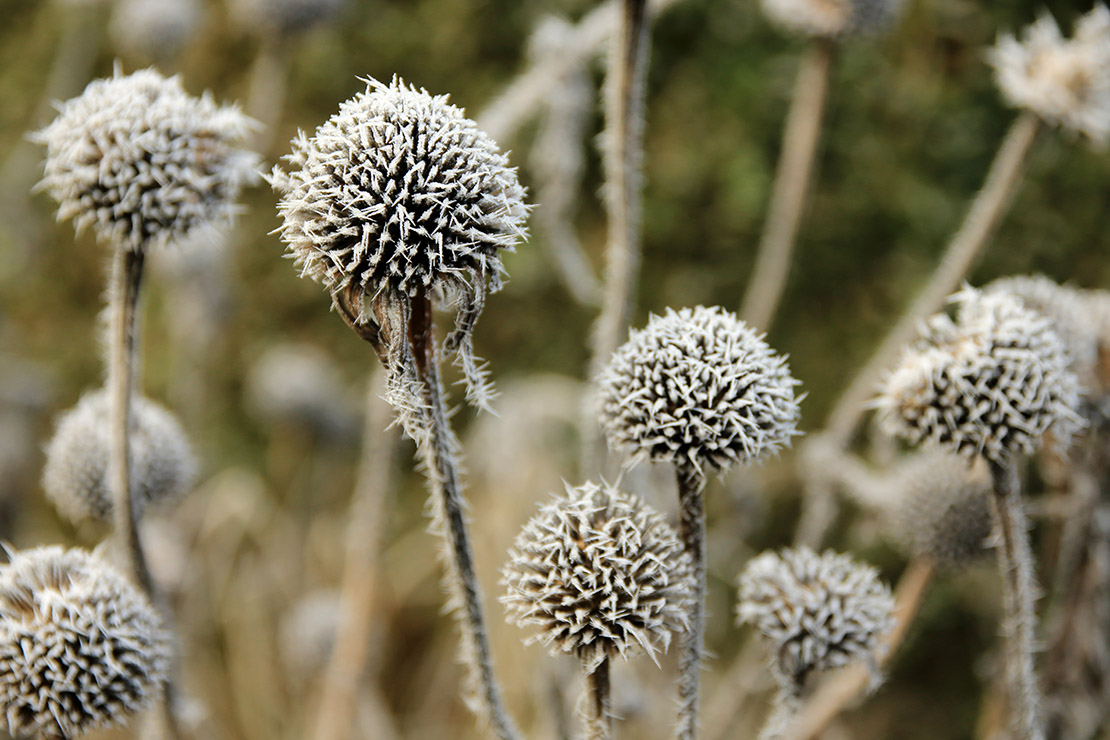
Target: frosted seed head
<point>285,17</point>
<point>154,29</point>
<point>989,384</point>
<point>142,163</point>
<point>80,646</point>
<point>832,18</point>
<point>697,385</point>
<point>1064,81</point>
<point>817,611</point>
<point>76,477</point>
<point>598,573</point>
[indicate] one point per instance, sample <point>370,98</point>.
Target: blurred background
<point>270,385</point>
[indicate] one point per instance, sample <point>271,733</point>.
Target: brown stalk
<point>691,506</point>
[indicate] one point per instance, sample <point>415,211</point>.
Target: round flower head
<point>943,510</point>
<point>990,384</point>
<point>1064,81</point>
<point>832,18</point>
<point>75,477</point>
<point>697,385</point>
<point>142,162</point>
<point>80,647</point>
<point>154,29</point>
<point>819,611</point>
<point>298,383</point>
<point>599,573</point>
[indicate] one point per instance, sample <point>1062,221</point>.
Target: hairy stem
<point>692,530</point>
<point>783,707</point>
<point>599,720</point>
<point>792,179</point>
<point>1019,592</point>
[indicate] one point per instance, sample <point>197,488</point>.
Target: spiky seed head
<point>1064,81</point>
<point>832,18</point>
<point>154,29</point>
<point>990,383</point>
<point>142,162</point>
<point>818,611</point>
<point>80,646</point>
<point>697,385</point>
<point>76,477</point>
<point>598,573</point>
<point>286,17</point>
<point>942,511</point>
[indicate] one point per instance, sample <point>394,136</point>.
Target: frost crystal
<point>698,385</point>
<point>80,647</point>
<point>819,611</point>
<point>991,383</point>
<point>75,477</point>
<point>599,573</point>
<point>832,18</point>
<point>142,162</point>
<point>1064,81</point>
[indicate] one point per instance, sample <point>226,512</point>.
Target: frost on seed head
<point>154,29</point>
<point>75,476</point>
<point>1064,81</point>
<point>818,611</point>
<point>833,18</point>
<point>697,385</point>
<point>142,162</point>
<point>990,383</point>
<point>80,646</point>
<point>598,573</point>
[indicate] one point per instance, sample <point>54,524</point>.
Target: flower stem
<point>1015,559</point>
<point>692,530</point>
<point>795,167</point>
<point>599,720</point>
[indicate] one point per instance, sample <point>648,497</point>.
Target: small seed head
<point>833,18</point>
<point>154,29</point>
<point>286,17</point>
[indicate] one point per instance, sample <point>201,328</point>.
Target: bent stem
<point>599,720</point>
<point>795,167</point>
<point>1015,559</point>
<point>691,507</point>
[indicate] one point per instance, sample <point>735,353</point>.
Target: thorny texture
<point>286,17</point>
<point>142,162</point>
<point>833,18</point>
<point>599,573</point>
<point>155,29</point>
<point>990,383</point>
<point>943,511</point>
<point>697,385</point>
<point>1064,81</point>
<point>819,611</point>
<point>75,476</point>
<point>80,647</point>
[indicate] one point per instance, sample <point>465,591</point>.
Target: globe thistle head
<point>818,611</point>
<point>80,646</point>
<point>1064,81</point>
<point>76,477</point>
<point>154,29</point>
<point>942,511</point>
<point>285,17</point>
<point>832,18</point>
<point>598,573</point>
<point>697,385</point>
<point>142,162</point>
<point>990,383</point>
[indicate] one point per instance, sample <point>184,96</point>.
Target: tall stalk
<point>599,720</point>
<point>691,507</point>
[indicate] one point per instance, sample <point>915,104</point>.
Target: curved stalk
<point>599,720</point>
<point>692,530</point>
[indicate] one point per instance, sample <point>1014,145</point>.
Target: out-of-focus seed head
<point>154,29</point>
<point>80,647</point>
<point>1064,81</point>
<point>989,384</point>
<point>598,573</point>
<point>142,162</point>
<point>818,611</point>
<point>697,385</point>
<point>75,476</point>
<point>298,383</point>
<point>308,633</point>
<point>286,17</point>
<point>833,18</point>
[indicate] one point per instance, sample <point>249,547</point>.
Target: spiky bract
<point>1064,81</point>
<point>142,162</point>
<point>832,18</point>
<point>818,611</point>
<point>80,647</point>
<point>697,385</point>
<point>599,573</point>
<point>990,383</point>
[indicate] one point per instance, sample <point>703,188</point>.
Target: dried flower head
<point>286,17</point>
<point>991,383</point>
<point>943,509</point>
<point>142,162</point>
<point>819,611</point>
<point>1064,81</point>
<point>599,573</point>
<point>75,477</point>
<point>298,383</point>
<point>80,647</point>
<point>699,385</point>
<point>154,29</point>
<point>832,18</point>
